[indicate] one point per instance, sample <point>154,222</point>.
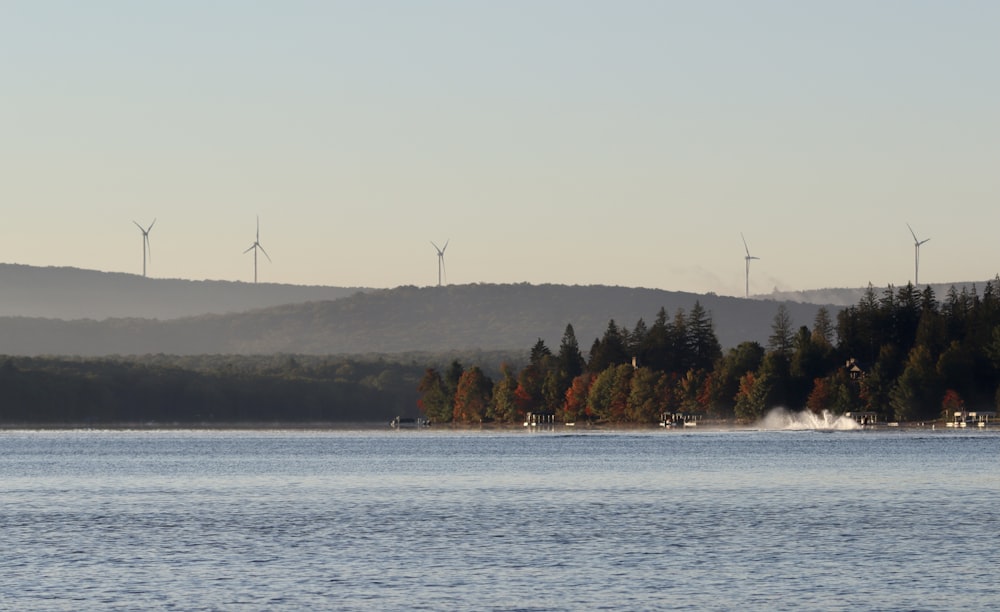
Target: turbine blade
<point>151,225</point>
<point>252,247</point>
<point>912,233</point>
<point>745,244</point>
<point>149,251</point>
<point>139,226</point>
<point>436,247</point>
<point>445,247</point>
<point>264,252</point>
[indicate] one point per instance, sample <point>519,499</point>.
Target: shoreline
<point>316,426</point>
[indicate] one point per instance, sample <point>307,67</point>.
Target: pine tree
<point>780,340</point>
<point>703,345</point>
<point>570,360</point>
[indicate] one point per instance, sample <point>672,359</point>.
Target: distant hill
<point>457,317</point>
<point>73,293</point>
<point>850,296</point>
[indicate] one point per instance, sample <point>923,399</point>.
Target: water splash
<point>782,419</point>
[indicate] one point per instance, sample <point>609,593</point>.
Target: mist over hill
<point>848,296</point>
<point>74,293</point>
<point>405,319</point>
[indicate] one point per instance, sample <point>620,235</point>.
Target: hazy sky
<point>617,142</point>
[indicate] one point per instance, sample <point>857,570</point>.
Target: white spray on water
<point>782,419</point>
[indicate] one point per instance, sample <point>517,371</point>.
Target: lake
<point>488,520</point>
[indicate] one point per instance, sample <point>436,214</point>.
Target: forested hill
<point>849,296</point>
<point>489,317</point>
<point>74,293</point>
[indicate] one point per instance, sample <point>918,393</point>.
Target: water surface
<point>372,520</point>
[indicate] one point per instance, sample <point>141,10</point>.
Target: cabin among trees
<point>898,355</point>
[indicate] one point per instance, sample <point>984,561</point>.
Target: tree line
<point>901,354</point>
<point>166,389</point>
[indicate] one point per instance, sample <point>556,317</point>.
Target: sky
<point>618,142</point>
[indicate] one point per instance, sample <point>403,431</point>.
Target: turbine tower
<point>440,251</point>
<point>747,258</point>
<point>916,256</point>
<point>145,243</point>
<point>255,247</point>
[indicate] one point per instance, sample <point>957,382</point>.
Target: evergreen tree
<point>679,345</point>
<point>822,331</point>
<point>704,347</point>
<point>780,340</point>
<point>451,378</point>
<point>877,385</point>
<point>610,351</point>
<point>528,394</point>
<point>915,395</point>
<point>538,353</point>
<point>553,391</point>
<point>435,402</point>
<point>570,360</point>
<point>637,341</point>
<point>656,350</point>
<point>956,365</point>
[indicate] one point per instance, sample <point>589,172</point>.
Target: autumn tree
<point>751,399</point>
<point>608,397</point>
<point>951,404</point>
<point>503,407</point>
<point>690,390</point>
<point>565,366</point>
<point>528,395</point>
<point>821,396</point>
<point>725,383</point>
<point>472,398</point>
<point>575,406</point>
<point>644,402</point>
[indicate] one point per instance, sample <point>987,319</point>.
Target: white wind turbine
<point>145,243</point>
<point>254,247</point>
<point>441,269</point>
<point>747,258</point>
<point>916,256</point>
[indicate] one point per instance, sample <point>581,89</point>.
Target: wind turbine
<point>145,243</point>
<point>440,251</point>
<point>255,247</point>
<point>747,258</point>
<point>916,256</point>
